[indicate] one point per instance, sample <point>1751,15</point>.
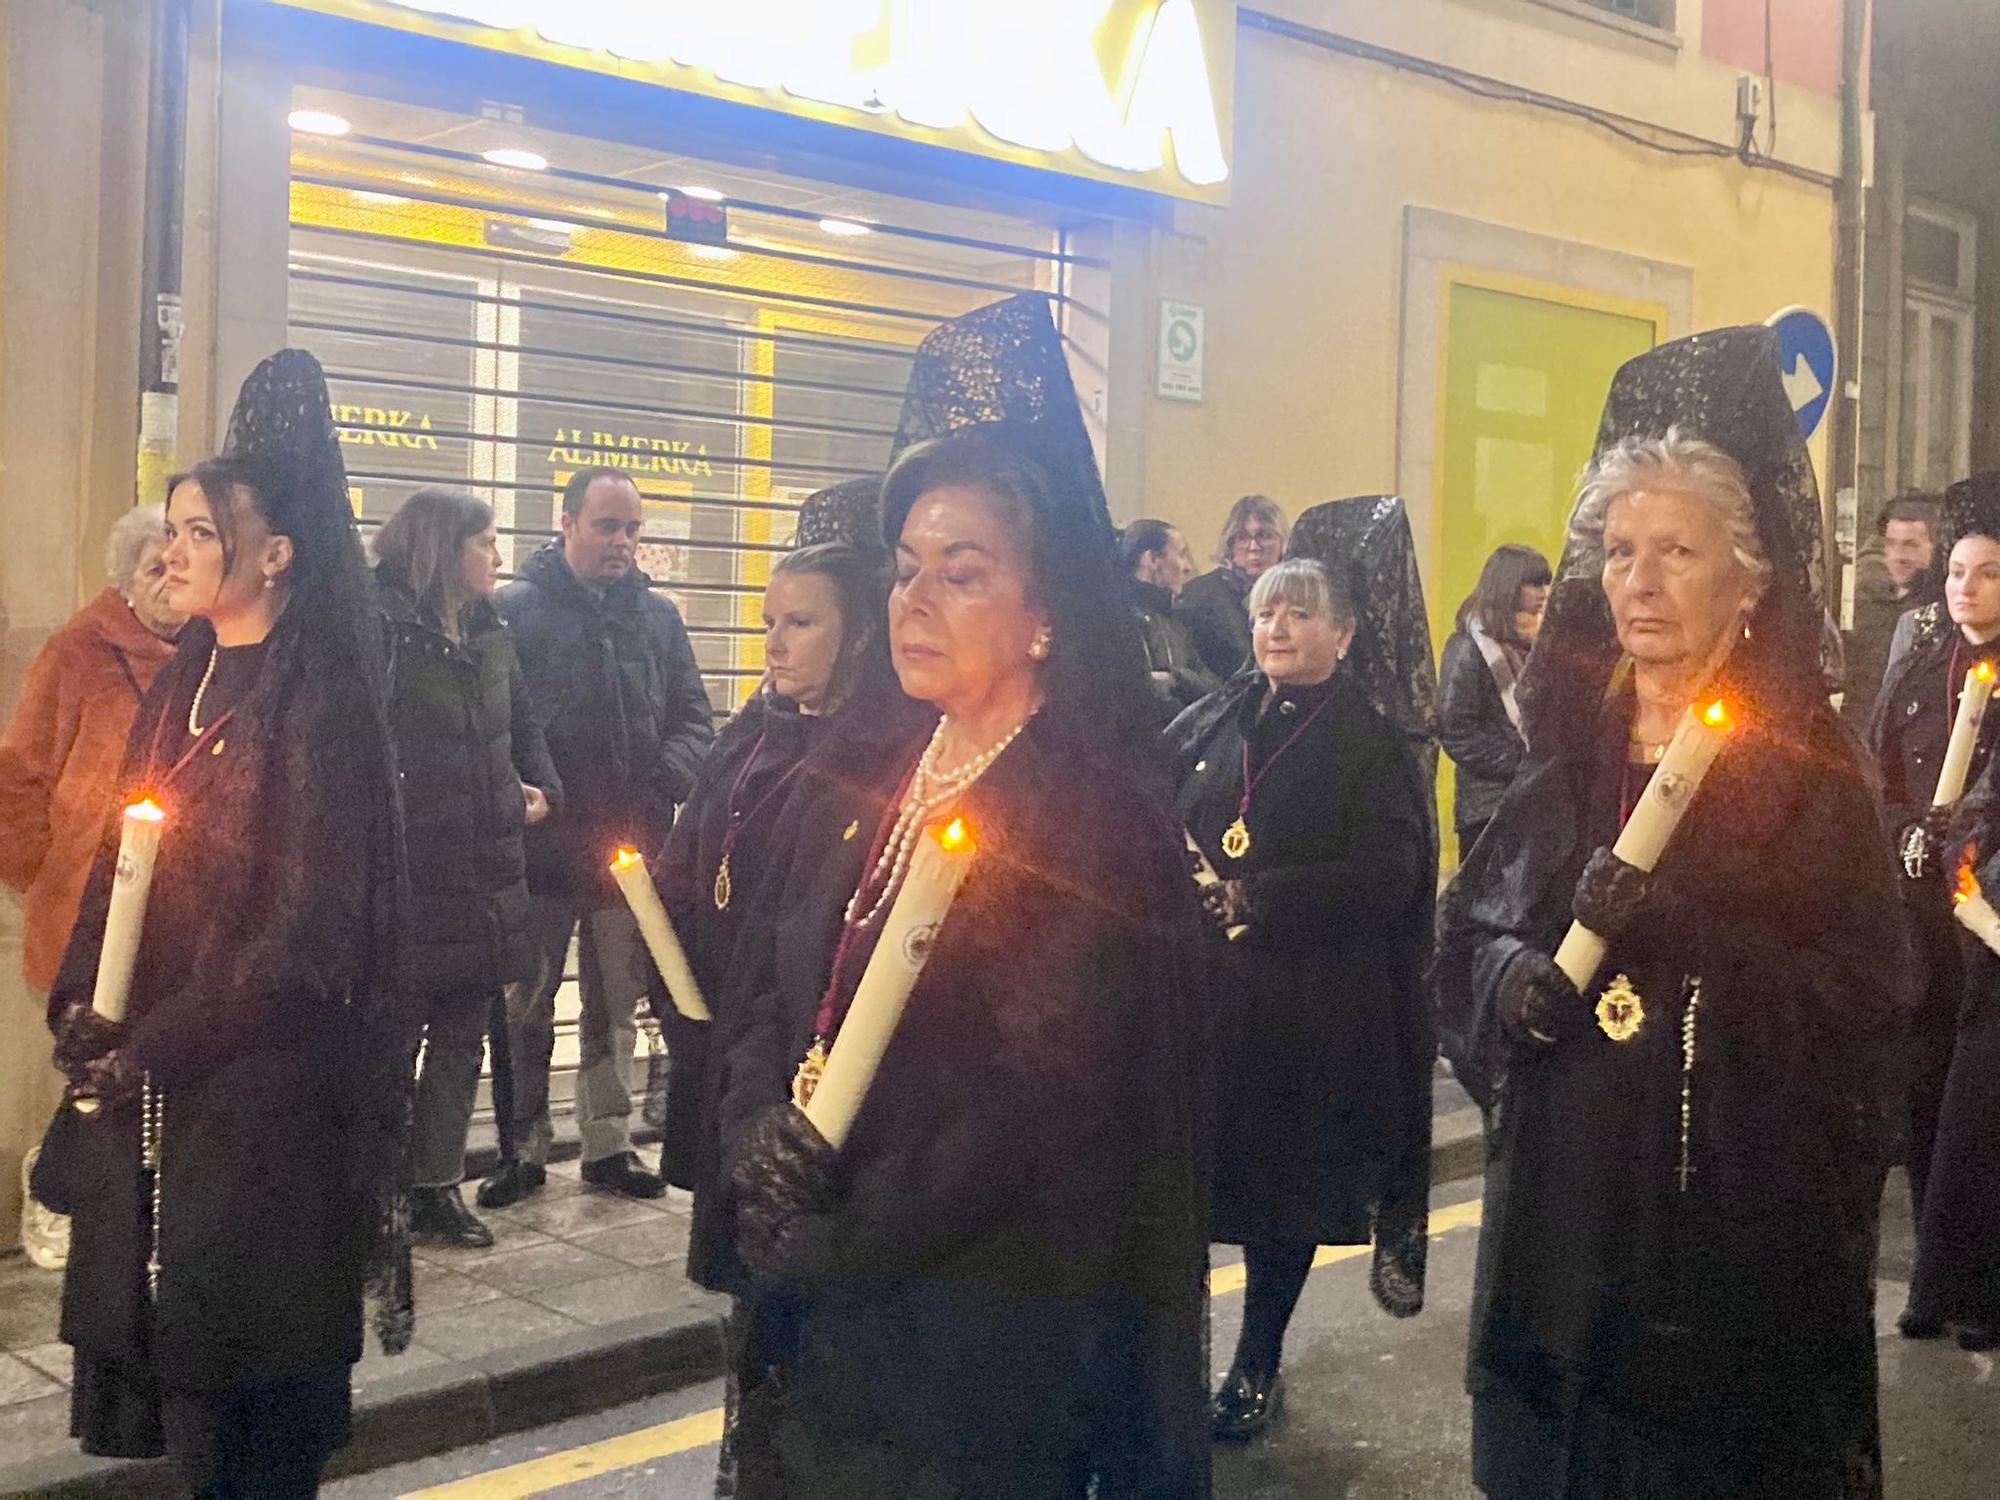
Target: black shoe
<point>438,1213</point>
<point>1976,1336</point>
<point>1910,1326</point>
<point>1245,1406</point>
<point>623,1174</point>
<point>512,1182</point>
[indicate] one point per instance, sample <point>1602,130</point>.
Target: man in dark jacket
<point>1160,562</point>
<point>1885,590</point>
<point>614,683</point>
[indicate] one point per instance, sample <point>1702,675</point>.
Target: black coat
<point>1484,746</point>
<point>1877,609</point>
<point>1634,1336</point>
<point>466,741</point>
<point>1013,1266</point>
<point>618,695</point>
<point>756,758</point>
<point>1170,652</point>
<point>270,918</point>
<point>1216,610</point>
<point>1913,715</point>
<point>1325,1043</point>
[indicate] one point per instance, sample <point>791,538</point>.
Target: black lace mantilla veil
<point>1725,387</point>
<point>849,512</point>
<point>282,427</point>
<point>1367,539</point>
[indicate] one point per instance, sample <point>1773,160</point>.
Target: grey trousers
<point>455,1023</point>
<point>612,976</point>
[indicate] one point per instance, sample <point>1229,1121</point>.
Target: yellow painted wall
<point>1302,276</point>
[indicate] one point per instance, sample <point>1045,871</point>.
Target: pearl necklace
<point>930,789</point>
<point>194,708</point>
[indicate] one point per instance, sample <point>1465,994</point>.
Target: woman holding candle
<point>1930,687</point>
<point>1677,1257</point>
<point>236,1191</point>
<point>994,1286</point>
<point>476,774</point>
<point>824,653</point>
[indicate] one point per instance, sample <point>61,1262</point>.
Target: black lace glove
<point>782,1177</point>
<point>113,1078</point>
<point>1224,905</point>
<point>1537,1003</point>
<point>83,1036</point>
<point>1612,898</point>
<point>1925,844</point>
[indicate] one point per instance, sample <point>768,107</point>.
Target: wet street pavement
<point>1375,1408</point>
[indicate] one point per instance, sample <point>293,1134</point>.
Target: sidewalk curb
<point>401,1418</point>
<point>429,1411</point>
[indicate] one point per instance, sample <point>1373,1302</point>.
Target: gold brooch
<point>1236,839</point>
<point>1620,1012</point>
<point>812,1068</point>
<point>851,829</point>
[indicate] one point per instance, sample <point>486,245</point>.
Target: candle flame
<point>1716,715</point>
<point>955,837</point>
<point>625,858</point>
<point>1968,883</point>
<point>146,810</point>
<point>1983,671</point>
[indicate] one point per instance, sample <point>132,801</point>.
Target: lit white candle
<point>138,847</point>
<point>937,869</point>
<point>1659,812</point>
<point>1964,735</point>
<point>628,868</point>
<point>1974,912</point>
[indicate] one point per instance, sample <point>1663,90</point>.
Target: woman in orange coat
<point>59,758</point>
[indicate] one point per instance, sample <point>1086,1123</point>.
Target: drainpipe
<point>1843,459</point>
<point>160,263</point>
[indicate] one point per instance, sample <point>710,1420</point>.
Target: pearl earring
<point>270,583</point>
<point>1039,647</point>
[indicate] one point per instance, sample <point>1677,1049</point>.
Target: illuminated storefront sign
<point>1130,91</point>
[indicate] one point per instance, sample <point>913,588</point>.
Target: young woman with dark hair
<point>476,772</point>
<point>1479,718</point>
<point>237,1188</point>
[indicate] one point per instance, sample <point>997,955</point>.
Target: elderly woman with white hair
<point>1676,1268</point>
<point>59,759</point>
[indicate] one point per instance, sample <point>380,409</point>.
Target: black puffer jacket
<point>616,690</point>
<point>1179,675</point>
<point>1484,746</point>
<point>466,741</point>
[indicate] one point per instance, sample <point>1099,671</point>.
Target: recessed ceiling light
<point>509,156</point>
<point>387,200</point>
<point>706,194</point>
<point>843,227</point>
<point>318,122</point>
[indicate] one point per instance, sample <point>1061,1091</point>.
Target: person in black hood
<point>1676,1281</point>
<point>616,690</point>
<point>475,773</point>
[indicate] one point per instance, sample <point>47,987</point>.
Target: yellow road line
<point>540,1475</point>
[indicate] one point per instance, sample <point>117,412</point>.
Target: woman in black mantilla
<point>825,654</point>
<point>1956,1283</point>
<point>1676,1268</point>
<point>265,1060</point>
<point>995,1285</point>
<point>1309,805</point>
<point>1908,732</point>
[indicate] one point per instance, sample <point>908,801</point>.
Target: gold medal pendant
<point>1620,1012</point>
<point>806,1081</point>
<point>1236,839</point>
<point>722,887</point>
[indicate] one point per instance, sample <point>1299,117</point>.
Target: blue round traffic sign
<point>1805,351</point>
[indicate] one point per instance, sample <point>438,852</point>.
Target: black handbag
<point>59,1168</point>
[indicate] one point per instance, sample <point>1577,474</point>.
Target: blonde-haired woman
<point>1215,604</point>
